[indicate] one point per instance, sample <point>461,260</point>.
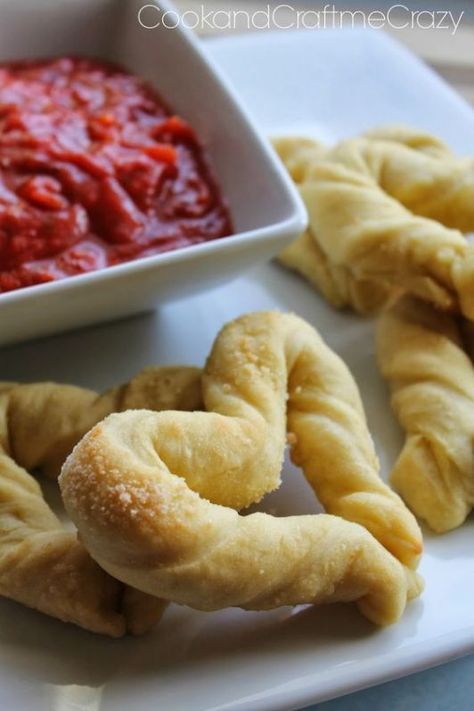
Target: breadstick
<point>41,564</point>
<point>124,486</point>
<point>420,352</point>
<point>387,210</point>
<point>335,283</point>
<point>45,420</point>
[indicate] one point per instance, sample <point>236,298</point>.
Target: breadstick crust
<point>46,420</point>
<point>42,565</point>
<point>139,486</point>
<point>431,377</point>
<point>387,211</point>
<point>174,544</point>
<point>335,283</point>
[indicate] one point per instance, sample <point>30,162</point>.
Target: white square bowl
<point>266,210</point>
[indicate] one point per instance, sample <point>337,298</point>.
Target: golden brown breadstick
<point>375,207</point>
<point>336,284</point>
<point>154,530</point>
<point>45,420</point>
<point>123,485</point>
<point>420,352</point>
<point>267,366</point>
<point>41,564</point>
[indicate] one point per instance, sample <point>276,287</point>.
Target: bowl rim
<point>230,244</point>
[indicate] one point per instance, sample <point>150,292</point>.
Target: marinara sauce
<point>95,171</point>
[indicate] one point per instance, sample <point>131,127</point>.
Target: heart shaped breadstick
<point>130,485</point>
<point>41,564</point>
<point>421,353</point>
<point>386,213</point>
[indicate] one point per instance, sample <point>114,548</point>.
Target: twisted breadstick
<point>41,564</point>
<point>45,420</point>
<point>336,283</point>
<point>421,354</point>
<point>375,206</point>
<point>124,486</point>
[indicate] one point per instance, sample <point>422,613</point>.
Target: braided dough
<point>420,352</point>
<point>41,564</point>
<point>386,213</point>
<point>139,486</point>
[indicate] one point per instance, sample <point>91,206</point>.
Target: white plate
<point>335,85</point>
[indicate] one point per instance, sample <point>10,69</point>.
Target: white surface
<point>266,209</point>
<point>233,659</point>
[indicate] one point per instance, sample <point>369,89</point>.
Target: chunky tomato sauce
<point>94,171</point>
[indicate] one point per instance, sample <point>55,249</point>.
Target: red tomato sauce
<point>95,171</point>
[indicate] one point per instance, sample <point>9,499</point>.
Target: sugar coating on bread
<point>41,564</point>
<point>154,495</point>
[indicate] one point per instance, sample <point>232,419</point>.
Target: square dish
<point>265,208</point>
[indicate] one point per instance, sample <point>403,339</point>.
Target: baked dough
<point>136,485</point>
<point>421,353</point>
<point>42,565</point>
<point>386,213</point>
<point>336,283</point>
